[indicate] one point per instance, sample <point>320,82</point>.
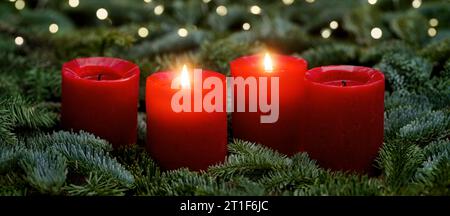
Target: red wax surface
<point>100,96</point>
<point>344,129</point>
<point>282,135</point>
<point>195,140</point>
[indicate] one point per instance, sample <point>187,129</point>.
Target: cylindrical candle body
<point>281,135</point>
<point>195,140</point>
<point>100,96</point>
<point>344,116</point>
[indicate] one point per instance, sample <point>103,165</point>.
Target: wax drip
<point>344,83</point>
<point>99,77</point>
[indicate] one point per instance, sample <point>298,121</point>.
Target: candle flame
<point>268,64</point>
<point>184,78</point>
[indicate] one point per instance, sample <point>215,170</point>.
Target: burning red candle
<point>281,135</point>
<point>344,116</point>
<point>194,139</point>
<point>100,95</point>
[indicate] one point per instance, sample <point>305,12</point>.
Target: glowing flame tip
<point>184,78</point>
<point>268,64</point>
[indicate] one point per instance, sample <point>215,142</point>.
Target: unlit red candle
<point>344,117</point>
<point>100,96</point>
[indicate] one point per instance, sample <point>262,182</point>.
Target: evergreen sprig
<point>249,160</point>
<point>399,162</point>
<point>45,171</point>
<point>405,70</point>
<point>96,185</point>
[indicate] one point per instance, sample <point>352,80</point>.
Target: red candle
<point>100,95</point>
<point>195,139</point>
<point>281,135</point>
<point>344,116</point>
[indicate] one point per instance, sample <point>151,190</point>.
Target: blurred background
<point>40,35</point>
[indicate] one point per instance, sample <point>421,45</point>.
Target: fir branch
<point>6,127</point>
<point>9,86</point>
<point>249,160</point>
<point>437,51</point>
<point>70,138</point>
<point>411,27</point>
<point>343,185</point>
<point>13,184</point>
<point>399,162</point>
<point>96,185</point>
<point>170,43</point>
<point>432,126</point>
<point>238,186</point>
<point>404,70</point>
<point>173,61</point>
<point>302,173</point>
<point>361,20</point>
<point>137,161</point>
<point>404,98</point>
<point>331,54</point>
<point>434,175</point>
<point>375,53</point>
<point>87,159</point>
<point>9,156</point>
<point>45,171</point>
<point>217,55</point>
<point>42,84</point>
<point>26,115</point>
<point>180,182</point>
<point>400,117</point>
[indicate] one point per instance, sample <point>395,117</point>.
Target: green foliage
<point>404,70</point>
<point>411,27</point>
<point>42,85</point>
<point>9,86</point>
<point>399,161</point>
<point>302,173</point>
<point>434,175</point>
<point>85,159</point>
<point>9,156</point>
<point>404,98</point>
<point>98,42</point>
<point>23,114</point>
<point>360,21</point>
<point>438,51</point>
<point>343,185</point>
<point>6,126</point>
<point>13,184</point>
<point>70,138</point>
<point>45,171</point>
<point>175,183</point>
<point>249,160</point>
<point>375,53</point>
<point>96,185</point>
<point>331,54</point>
<point>17,113</point>
<point>137,161</point>
<point>217,55</point>
<point>431,126</point>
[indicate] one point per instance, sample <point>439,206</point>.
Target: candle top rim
<point>82,68</point>
<point>281,62</point>
<point>164,78</point>
<point>360,76</point>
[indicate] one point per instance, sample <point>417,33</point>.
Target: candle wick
<point>99,77</point>
<point>344,83</point>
